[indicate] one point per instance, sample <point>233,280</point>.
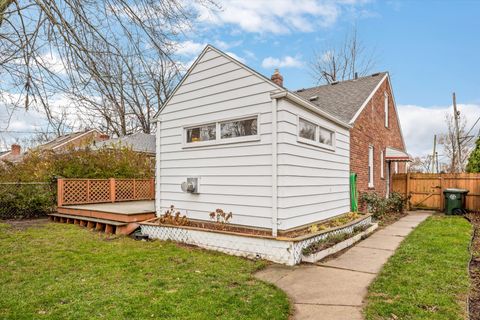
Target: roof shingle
<point>342,99</point>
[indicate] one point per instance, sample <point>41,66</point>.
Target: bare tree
<point>450,144</point>
<point>114,59</point>
<point>343,62</point>
<point>421,164</point>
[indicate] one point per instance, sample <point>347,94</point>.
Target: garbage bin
<point>455,200</point>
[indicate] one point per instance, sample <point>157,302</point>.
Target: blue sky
<point>430,48</point>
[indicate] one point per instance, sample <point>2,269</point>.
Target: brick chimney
<point>103,137</point>
<point>15,150</point>
<point>277,78</point>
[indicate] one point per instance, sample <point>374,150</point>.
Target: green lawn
<point>60,271</point>
<point>427,277</point>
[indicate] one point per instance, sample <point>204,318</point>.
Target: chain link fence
<point>24,200</point>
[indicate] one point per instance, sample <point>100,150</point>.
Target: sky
<point>430,49</point>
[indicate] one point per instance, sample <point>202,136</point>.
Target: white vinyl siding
<point>386,108</point>
<point>382,165</point>
<point>313,182</point>
<point>370,167</point>
<point>235,176</point>
<point>235,169</point>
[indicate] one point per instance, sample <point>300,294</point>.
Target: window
<point>370,166</point>
<point>382,164</point>
<point>386,109</point>
<point>202,133</point>
<point>312,133</point>
<point>307,130</point>
<point>236,130</point>
<point>396,167</point>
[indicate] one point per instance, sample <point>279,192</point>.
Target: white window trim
<point>395,167</point>
<point>371,162</point>
<point>382,165</point>
<point>386,109</point>
<point>316,143</point>
<point>218,140</point>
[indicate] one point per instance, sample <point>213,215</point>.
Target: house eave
<point>296,99</point>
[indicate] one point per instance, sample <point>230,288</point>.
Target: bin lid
<point>455,190</point>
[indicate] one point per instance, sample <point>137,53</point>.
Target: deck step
<point>107,226</point>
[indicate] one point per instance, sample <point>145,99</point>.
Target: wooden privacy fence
<point>426,189</point>
<point>83,191</point>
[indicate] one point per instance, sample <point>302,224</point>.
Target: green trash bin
<point>455,200</point>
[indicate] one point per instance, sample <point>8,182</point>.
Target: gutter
<point>294,98</point>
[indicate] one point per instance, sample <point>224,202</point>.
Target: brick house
<point>377,147</point>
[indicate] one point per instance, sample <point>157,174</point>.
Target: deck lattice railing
<point>84,191</point>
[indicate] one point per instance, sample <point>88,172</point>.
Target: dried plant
<point>221,216</point>
<point>173,216</point>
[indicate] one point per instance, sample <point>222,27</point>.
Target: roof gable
<point>210,53</point>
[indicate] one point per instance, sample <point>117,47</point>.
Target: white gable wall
<point>235,177</point>
<point>313,182</point>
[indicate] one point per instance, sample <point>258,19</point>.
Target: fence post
<point>88,190</point>
<point>152,188</point>
<point>112,189</point>
<point>59,192</point>
<point>442,200</point>
<point>407,190</point>
<point>134,190</point>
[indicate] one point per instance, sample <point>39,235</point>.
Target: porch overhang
<point>395,155</point>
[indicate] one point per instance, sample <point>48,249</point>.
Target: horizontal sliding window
<point>202,133</point>
<point>307,129</point>
<point>238,128</point>
<point>311,133</point>
<point>234,130</point>
<point>325,136</point>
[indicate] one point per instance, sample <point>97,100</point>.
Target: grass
<point>427,276</point>
<point>59,271</point>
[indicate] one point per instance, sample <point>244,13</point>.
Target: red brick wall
<point>369,129</point>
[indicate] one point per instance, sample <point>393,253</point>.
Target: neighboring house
<point>377,148</point>
<point>13,155</point>
<point>138,142</point>
<point>68,141</point>
<point>274,158</point>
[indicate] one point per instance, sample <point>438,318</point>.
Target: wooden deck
<point>117,217</point>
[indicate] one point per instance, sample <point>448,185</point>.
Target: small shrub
<point>332,239</point>
<point>380,206</point>
<point>173,217</point>
<point>221,216</point>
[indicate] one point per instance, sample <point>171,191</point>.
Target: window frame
<point>371,165</point>
<point>218,140</point>
<point>316,142</point>
<point>386,109</point>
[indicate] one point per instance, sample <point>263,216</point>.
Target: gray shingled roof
<point>343,99</point>
<point>140,142</point>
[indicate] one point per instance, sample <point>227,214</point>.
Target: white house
<point>272,158</point>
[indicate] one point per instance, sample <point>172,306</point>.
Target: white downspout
<point>158,209</point>
<point>274,169</point>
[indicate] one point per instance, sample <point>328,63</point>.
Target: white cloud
<point>189,48</point>
<point>278,17</point>
<point>419,124</point>
<point>285,62</point>
<point>236,57</point>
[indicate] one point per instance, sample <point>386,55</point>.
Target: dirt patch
<point>474,298</point>
<point>26,223</point>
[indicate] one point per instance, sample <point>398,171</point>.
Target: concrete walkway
<point>335,289</point>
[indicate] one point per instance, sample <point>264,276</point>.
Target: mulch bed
<point>256,231</point>
<point>474,298</point>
